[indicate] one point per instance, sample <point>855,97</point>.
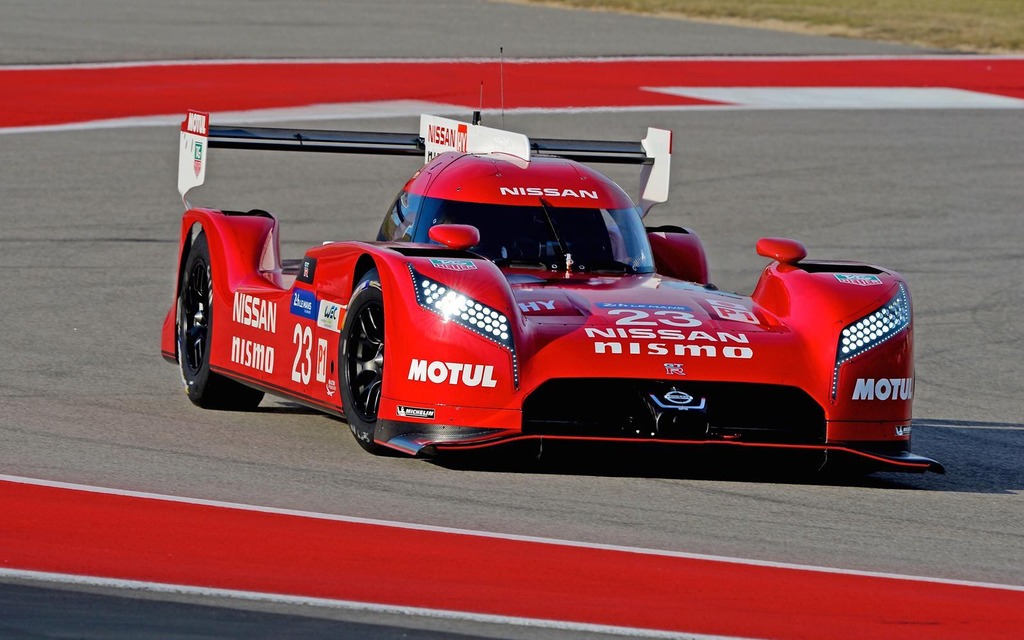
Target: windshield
<point>539,236</point>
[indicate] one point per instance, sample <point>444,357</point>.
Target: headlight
<point>871,330</point>
<point>874,329</point>
<point>454,306</point>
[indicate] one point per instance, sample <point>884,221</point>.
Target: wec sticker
<point>859,279</point>
<point>329,316</point>
<point>452,264</point>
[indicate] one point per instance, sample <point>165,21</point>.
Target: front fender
<point>819,301</point>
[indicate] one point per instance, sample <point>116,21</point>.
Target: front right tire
<point>361,361</point>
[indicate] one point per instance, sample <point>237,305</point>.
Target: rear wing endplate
<point>436,136</point>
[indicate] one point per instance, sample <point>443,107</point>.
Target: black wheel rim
<point>195,315</point>
<point>365,349</point>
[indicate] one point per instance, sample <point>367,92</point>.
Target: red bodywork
<point>585,346</point>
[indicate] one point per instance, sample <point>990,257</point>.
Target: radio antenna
<point>476,114</point>
<point>501,74</point>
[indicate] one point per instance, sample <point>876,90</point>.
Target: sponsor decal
<point>677,350</point>
<point>903,430</point>
<point>632,305</point>
<point>536,305</point>
<point>307,270</point>
<point>414,412</point>
<point>254,312</point>
<point>329,316</point>
<point>452,264</point>
<point>677,400</point>
<point>551,192</point>
<point>252,355</point>
<point>859,279</point>
<point>470,375</point>
<point>302,366</point>
<point>321,360</point>
<point>332,388</point>
<point>732,311</point>
<point>197,162</point>
<point>679,335</point>
<point>197,123</point>
<point>674,369</point>
<point>883,389</point>
<point>456,138</point>
<point>303,302</point>
<point>632,332</point>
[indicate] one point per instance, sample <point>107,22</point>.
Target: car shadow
<point>980,457</point>
<point>286,407</point>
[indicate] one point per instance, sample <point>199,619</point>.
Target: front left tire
<point>195,315</point>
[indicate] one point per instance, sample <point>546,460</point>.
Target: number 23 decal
<point>302,337</point>
<point>637,318</point>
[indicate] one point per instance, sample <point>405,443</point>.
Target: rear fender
<point>678,253</point>
<point>243,247</point>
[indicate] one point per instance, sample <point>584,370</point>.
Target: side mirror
<point>455,236</point>
<point>784,250</point>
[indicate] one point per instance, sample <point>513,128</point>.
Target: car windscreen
<point>540,236</point>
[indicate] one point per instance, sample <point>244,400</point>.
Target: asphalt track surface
<point>89,221</point>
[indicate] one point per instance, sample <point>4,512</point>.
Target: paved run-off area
<point>90,221</point>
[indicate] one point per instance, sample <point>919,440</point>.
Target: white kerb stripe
<point>845,97</point>
<point>351,605</point>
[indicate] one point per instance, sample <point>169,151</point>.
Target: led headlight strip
<point>456,307</point>
<point>871,331</point>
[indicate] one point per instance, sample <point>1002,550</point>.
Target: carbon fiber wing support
<point>313,140</point>
<point>409,144</point>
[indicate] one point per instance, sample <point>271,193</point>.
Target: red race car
<point>513,293</point>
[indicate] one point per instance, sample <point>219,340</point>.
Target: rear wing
<point>436,136</point>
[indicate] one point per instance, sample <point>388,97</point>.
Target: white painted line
<point>350,605</point>
<point>591,59</point>
<point>845,97</point>
<point>979,427</point>
<point>333,111</point>
<point>503,536</point>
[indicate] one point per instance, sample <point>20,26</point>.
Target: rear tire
<point>204,388</point>
<point>361,361</point>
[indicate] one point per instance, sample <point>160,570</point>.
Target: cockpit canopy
<point>531,236</point>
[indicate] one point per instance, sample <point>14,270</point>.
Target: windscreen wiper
<point>545,207</point>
